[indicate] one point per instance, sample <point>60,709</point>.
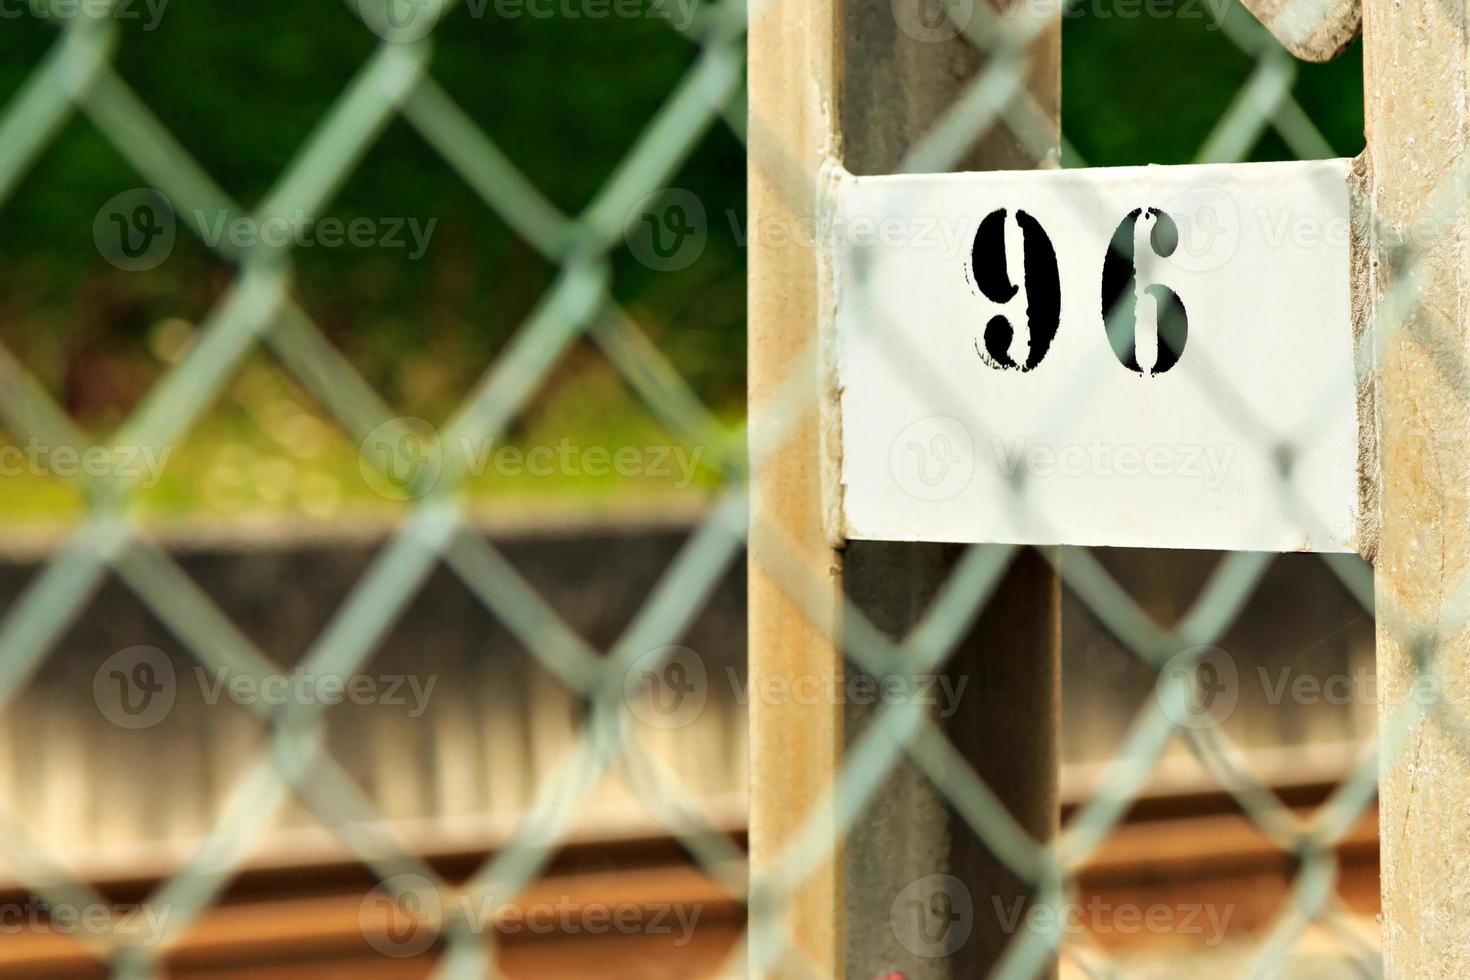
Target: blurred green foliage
<point>565,98</point>
<point>242,88</point>
<point>242,91</point>
<point>1142,89</point>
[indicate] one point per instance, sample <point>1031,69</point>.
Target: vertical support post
<point>796,750</point>
<point>803,108</point>
<point>1416,86</point>
<point>1006,724</point>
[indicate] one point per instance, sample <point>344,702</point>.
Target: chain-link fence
<point>944,908</point>
<point>260,312</point>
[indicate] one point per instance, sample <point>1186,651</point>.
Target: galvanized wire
<point>259,312</point>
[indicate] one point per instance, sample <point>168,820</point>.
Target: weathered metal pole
<point>902,73</point>
<point>911,845</point>
<point>1416,87</point>
<point>795,750</point>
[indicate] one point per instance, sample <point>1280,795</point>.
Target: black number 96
<point>989,272</point>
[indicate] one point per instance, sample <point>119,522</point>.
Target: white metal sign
<point>1145,356</point>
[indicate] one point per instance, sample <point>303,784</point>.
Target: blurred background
<point>264,504</point>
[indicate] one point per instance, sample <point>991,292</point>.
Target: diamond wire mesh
<point>259,312</point>
<point>903,730</point>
